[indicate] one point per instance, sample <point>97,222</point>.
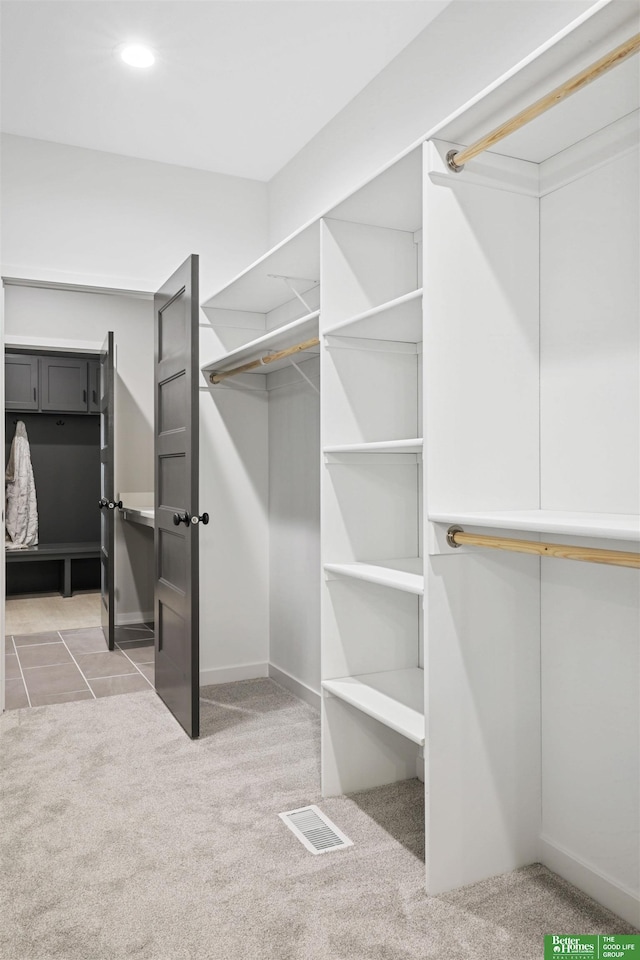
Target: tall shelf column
<point>371,426</point>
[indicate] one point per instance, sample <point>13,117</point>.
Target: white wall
<point>590,461</point>
<point>465,48</point>
<point>92,218</point>
<point>294,524</point>
<point>84,216</point>
<point>61,317</point>
<point>234,547</point>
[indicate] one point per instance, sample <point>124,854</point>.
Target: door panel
<point>107,490</point>
<point>21,382</point>
<point>176,496</point>
<point>63,385</point>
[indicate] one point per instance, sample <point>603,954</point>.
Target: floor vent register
<point>315,830</point>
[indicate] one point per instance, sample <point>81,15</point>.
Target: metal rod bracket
<point>451,532</point>
<point>457,168</point>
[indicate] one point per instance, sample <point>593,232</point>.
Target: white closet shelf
<point>304,328</point>
<point>395,698</point>
<point>259,289</point>
<point>378,446</point>
<point>399,319</point>
<point>400,573</point>
<point>609,526</point>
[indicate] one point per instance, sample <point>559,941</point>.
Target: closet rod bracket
<point>457,168</point>
<point>451,534</point>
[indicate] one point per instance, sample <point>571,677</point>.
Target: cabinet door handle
<point>34,393</point>
<point>84,396</point>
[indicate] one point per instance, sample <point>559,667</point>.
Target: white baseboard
<point>620,900</point>
<point>138,616</point>
<point>295,686</point>
<point>243,671</point>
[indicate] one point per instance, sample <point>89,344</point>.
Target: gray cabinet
<point>63,385</point>
<point>94,386</point>
<point>21,382</point>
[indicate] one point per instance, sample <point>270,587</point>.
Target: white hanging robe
<point>21,506</point>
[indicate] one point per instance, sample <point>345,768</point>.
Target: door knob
<point>113,504</point>
<point>103,503</point>
<point>179,518</point>
<point>203,519</point>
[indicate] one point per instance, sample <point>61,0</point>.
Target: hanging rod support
<point>303,374</point>
<point>289,283</point>
<point>456,537</point>
<point>456,159</point>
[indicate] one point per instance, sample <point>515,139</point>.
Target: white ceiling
<point>239,86</point>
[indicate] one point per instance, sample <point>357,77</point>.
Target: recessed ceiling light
<point>137,56</point>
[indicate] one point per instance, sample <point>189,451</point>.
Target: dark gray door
<point>107,502</point>
<point>177,523</point>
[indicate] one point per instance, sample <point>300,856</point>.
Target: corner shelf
<point>404,327</point>
<point>413,445</point>
<point>607,526</point>
<point>304,328</point>
<point>400,573</point>
<point>395,698</point>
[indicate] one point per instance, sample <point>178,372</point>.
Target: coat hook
<point>59,423</point>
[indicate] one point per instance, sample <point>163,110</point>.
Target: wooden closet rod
<point>456,159</point>
<point>298,348</point>
<point>456,537</point>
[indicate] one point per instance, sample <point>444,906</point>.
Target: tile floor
<point>36,614</point>
<point>56,666</point>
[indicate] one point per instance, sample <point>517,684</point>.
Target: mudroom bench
<point>65,553</point>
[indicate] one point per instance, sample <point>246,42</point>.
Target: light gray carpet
<point>122,838</point>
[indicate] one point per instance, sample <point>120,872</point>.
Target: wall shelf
<point>138,508</point>
<point>413,445</point>
<point>305,328</point>
<point>404,573</point>
<point>259,289</point>
<point>399,319</point>
<point>608,526</point>
<point>395,698</point>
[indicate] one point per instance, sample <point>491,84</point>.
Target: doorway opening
<point>55,646</point>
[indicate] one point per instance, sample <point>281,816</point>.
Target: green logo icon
<point>614,947</point>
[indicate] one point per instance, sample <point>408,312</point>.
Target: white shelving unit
<point>371,330</point>
<point>532,425</point>
<point>500,392</point>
